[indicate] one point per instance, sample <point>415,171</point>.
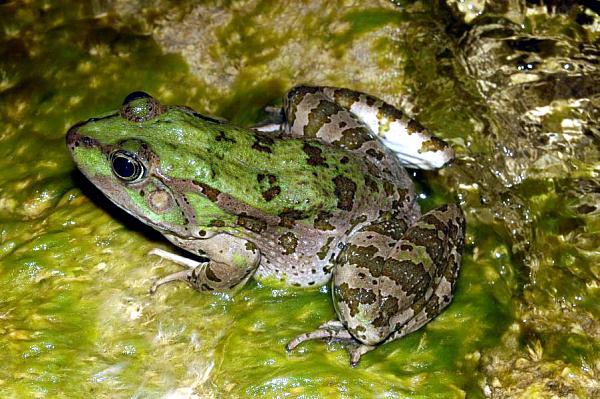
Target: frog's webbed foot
<point>334,330</point>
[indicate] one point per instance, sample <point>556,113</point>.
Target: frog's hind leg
<point>349,118</point>
<point>451,221</point>
<point>390,281</point>
<point>379,237</point>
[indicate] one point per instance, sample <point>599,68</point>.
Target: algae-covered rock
<point>513,86</point>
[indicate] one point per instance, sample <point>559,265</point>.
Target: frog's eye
<point>140,106</point>
<point>126,166</point>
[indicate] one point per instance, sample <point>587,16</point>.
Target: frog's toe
<point>183,275</point>
<point>331,330</point>
<point>356,351</point>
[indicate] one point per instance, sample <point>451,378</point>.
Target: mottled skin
<point>317,194</point>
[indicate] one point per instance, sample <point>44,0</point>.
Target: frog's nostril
<point>135,95</point>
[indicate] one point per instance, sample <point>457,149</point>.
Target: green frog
<point>319,194</point>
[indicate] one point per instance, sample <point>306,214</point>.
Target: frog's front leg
<point>385,287</point>
<point>232,261</point>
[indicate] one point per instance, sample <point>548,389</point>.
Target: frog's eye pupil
<point>126,166</point>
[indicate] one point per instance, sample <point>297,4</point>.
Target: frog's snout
<point>140,106</point>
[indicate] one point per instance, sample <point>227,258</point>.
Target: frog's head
<point>139,156</point>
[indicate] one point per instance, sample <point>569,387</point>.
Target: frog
<point>316,195</point>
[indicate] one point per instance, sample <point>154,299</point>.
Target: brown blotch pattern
<point>288,242</point>
<point>388,308</point>
<point>314,155</point>
<point>216,223</point>
<point>271,193</point>
<point>322,221</point>
<point>412,277</point>
<point>344,191</point>
<point>414,127</point>
<point>250,246</point>
<point>322,254</point>
<point>262,143</point>
<point>354,138</point>
<point>433,144</point>
<point>394,228</point>
<point>390,112</point>
<point>221,136</point>
<point>371,184</point>
<point>375,154</point>
<point>320,116</point>
<point>251,223</point>
<point>210,193</point>
<point>211,275</point>
<point>346,97</point>
<point>354,297</point>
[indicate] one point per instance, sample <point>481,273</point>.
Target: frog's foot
<point>334,330</point>
<point>274,122</point>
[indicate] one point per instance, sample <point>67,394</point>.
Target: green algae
<point>77,319</point>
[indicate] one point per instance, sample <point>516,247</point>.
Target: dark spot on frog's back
<point>372,184</point>
<point>251,223</point>
<point>345,189</point>
<point>211,193</point>
<point>262,143</point>
<point>271,193</point>
<point>221,136</point>
<point>314,155</point>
